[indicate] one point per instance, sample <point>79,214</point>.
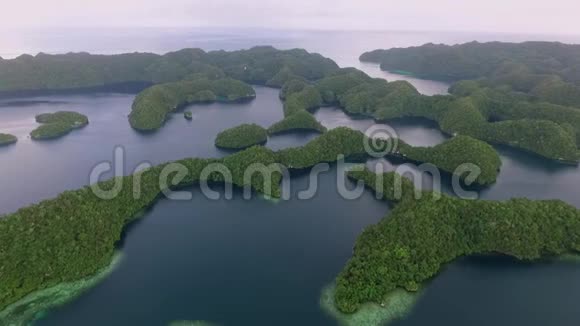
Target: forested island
<point>491,115</point>
<point>548,71</point>
<point>242,136</point>
<point>525,95</point>
<point>151,107</point>
<point>351,143</point>
<point>58,124</point>
<point>261,65</point>
<point>73,236</point>
<point>300,121</point>
<point>493,109</point>
<point>422,234</point>
<point>7,139</point>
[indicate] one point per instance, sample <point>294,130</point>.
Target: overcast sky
<point>519,16</point>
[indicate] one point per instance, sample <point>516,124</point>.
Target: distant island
<point>177,78</point>
<point>7,139</point>
<point>547,71</point>
<point>263,65</point>
<point>493,109</point>
<point>525,95</point>
<point>58,124</point>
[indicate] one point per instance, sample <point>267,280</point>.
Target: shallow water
<point>257,262</point>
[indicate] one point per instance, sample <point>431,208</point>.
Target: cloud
<point>557,16</point>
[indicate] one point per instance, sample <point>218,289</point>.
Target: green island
<point>302,120</point>
<point>262,65</point>
<point>495,108</point>
<point>73,236</point>
<point>489,115</point>
<point>188,115</point>
<point>7,139</point>
<point>242,136</point>
<point>547,71</point>
<point>395,305</point>
<point>152,106</point>
<point>525,95</point>
<point>180,78</point>
<point>423,233</point>
<point>36,304</point>
<point>58,124</point>
<point>447,156</point>
<point>492,116</point>
<point>453,153</point>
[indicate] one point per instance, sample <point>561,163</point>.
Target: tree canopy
<point>259,65</point>
<point>302,120</point>
<point>420,235</point>
<point>501,106</point>
<point>242,136</point>
<point>548,71</point>
<point>73,236</point>
<point>7,139</point>
<point>152,106</point>
<point>58,124</point>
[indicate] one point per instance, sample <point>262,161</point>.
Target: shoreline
<point>396,305</point>
<point>38,304</point>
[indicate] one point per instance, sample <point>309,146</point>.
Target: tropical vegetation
<point>74,235</point>
<point>259,65</point>
<point>423,233</point>
<point>302,120</point>
<point>242,136</point>
<point>7,139</point>
<point>548,71</point>
<point>307,99</point>
<point>152,106</point>
<point>504,107</point>
<point>525,95</point>
<point>455,152</point>
<point>58,124</point>
<point>489,115</point>
<point>355,145</point>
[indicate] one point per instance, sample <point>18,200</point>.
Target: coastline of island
<point>308,81</point>
<point>58,124</point>
<point>7,139</point>
<point>112,215</point>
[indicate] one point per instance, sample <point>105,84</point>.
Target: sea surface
<point>258,262</point>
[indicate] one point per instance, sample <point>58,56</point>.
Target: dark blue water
<point>71,158</point>
<point>257,262</point>
<point>235,263</point>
